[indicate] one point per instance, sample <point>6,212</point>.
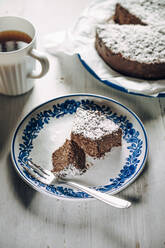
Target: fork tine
<point>35,175</point>
<point>36,172</point>
<point>41,171</point>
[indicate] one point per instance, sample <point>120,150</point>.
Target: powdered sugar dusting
<point>149,11</point>
<point>145,44</point>
<point>92,124</point>
<point>69,171</point>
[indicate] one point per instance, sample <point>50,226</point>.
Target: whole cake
<point>95,133</point>
<point>144,12</point>
<point>134,50</point>
<point>135,45</point>
<point>69,159</point>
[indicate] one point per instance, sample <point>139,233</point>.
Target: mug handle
<point>43,61</point>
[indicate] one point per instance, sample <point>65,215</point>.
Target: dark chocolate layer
<point>69,153</point>
<point>97,148</point>
<point>123,16</point>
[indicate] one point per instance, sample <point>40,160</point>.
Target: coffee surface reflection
<point>13,40</point>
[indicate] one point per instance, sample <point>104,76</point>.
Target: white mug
<point>17,67</point>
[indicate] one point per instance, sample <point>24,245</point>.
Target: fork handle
<point>109,199</point>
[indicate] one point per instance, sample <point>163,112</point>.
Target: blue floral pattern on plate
<point>69,107</point>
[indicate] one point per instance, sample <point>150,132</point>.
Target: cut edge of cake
<point>69,159</point>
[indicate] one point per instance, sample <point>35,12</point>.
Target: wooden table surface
<point>31,219</point>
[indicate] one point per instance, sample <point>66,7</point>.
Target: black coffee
<point>13,40</point>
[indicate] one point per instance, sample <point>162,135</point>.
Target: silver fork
<point>47,177</point>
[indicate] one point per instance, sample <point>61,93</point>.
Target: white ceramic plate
<point>46,127</point>
<point>154,88</point>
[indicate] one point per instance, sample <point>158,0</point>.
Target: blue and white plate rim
<point>65,97</point>
<point>113,85</point>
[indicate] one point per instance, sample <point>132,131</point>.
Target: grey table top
<point>31,219</point>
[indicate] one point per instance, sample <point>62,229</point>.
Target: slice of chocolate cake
<point>95,133</point>
<point>69,159</point>
<point>142,12</point>
<point>123,16</point>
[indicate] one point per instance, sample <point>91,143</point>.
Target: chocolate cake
<point>135,45</point>
<point>144,12</point>
<point>68,158</point>
<point>123,16</point>
<point>95,133</point>
<point>134,50</point>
